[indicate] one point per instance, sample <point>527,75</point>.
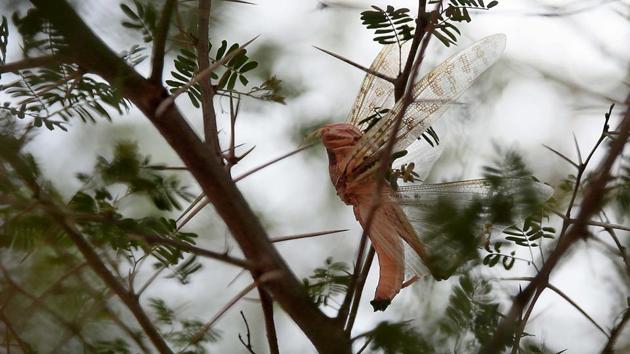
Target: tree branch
<point>29,63</point>
<point>324,333</point>
<point>207,92</point>
<point>591,203</point>
<point>267,306</point>
<point>159,42</point>
<point>223,257</point>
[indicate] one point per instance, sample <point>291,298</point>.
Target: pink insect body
<point>354,150</point>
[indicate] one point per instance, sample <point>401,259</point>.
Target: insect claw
<point>380,305</point>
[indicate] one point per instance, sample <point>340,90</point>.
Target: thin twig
<point>223,257</point>
<point>359,290</point>
<point>358,66</point>
<point>26,349</point>
<point>344,309</point>
<point>562,156</point>
<point>307,235</point>
<point>567,298</point>
<point>591,202</point>
<point>195,338</point>
<point>247,345</point>
<point>200,202</point>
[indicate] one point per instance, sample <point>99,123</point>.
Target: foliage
<point>186,67</point>
<point>140,176</point>
<point>390,25</point>
<point>456,11</point>
<point>531,231</point>
<point>328,281</point>
<point>143,18</point>
<point>397,338</point>
<point>471,310</point>
<point>495,255</point>
<point>63,90</point>
<point>182,333</point>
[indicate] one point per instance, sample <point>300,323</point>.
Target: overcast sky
<point>536,94</point>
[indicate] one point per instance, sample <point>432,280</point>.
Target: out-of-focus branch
<point>92,53</point>
<point>591,204</point>
<point>29,63</point>
<point>26,349</point>
<point>159,42</point>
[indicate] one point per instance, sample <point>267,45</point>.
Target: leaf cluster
<point>328,281</point>
<point>62,90</point>
<point>397,338</point>
<point>143,18</point>
<point>186,67</point>
<point>181,333</point>
<point>390,25</point>
<point>38,35</point>
<point>531,231</point>
<point>495,256</point>
<point>140,176</point>
<point>471,310</point>
<point>456,11</point>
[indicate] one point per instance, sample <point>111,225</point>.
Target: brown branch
<point>266,303</point>
<point>128,298</point>
<point>344,309</point>
<point>591,203</point>
<point>95,56</point>
<point>568,299</point>
<point>358,66</point>
<point>307,235</point>
<point>223,257</point>
<point>421,29</point>
<point>159,42</point>
<point>207,92</point>
<point>29,63</point>
<point>195,338</point>
<point>359,290</point>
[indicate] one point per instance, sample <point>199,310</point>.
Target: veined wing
<point>430,97</point>
<point>449,219</point>
<point>376,93</point>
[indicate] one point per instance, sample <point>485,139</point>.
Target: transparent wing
<point>449,219</point>
<point>376,93</point>
<point>422,155</point>
<point>431,96</point>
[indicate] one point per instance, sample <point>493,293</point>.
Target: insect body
<point>399,232</point>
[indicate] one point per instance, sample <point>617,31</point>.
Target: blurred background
<point>566,62</point>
